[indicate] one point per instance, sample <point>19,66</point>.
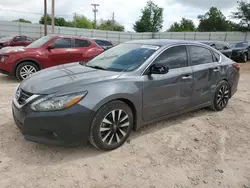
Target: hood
<point>9,49</point>
<point>238,49</point>
<point>66,78</point>
<point>15,49</point>
<point>4,40</point>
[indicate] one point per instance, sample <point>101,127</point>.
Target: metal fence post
<point>106,34</point>
<point>225,37</point>
<point>131,36</point>
<point>209,36</point>
<point>185,35</point>
<point>246,36</point>
<point>195,36</point>
<point>119,38</point>
<point>76,32</point>
<point>170,35</point>
<point>92,33</point>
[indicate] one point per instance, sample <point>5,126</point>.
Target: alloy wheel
<point>114,127</point>
<point>27,71</point>
<point>245,58</point>
<point>223,96</point>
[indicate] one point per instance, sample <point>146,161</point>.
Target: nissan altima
<point>120,90</point>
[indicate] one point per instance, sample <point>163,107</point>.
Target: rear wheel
<point>25,69</point>
<point>245,58</point>
<point>111,126</point>
<point>221,96</point>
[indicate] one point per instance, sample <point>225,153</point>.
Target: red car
<point>46,52</point>
<point>15,41</point>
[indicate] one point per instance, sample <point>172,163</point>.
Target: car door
<point>80,50</point>
<point>167,93</point>
<point>226,50</point>
<point>206,74</point>
<point>60,53</point>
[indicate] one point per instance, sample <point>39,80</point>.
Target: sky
<point>126,11</point>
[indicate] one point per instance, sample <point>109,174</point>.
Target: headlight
<point>16,89</point>
<point>53,103</point>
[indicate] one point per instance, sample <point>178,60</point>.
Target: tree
<point>213,20</point>
<point>41,21</point>
<point>243,14</point>
<point>110,25</point>
<point>151,19</point>
<point>184,25</point>
<point>81,22</point>
<point>22,20</point>
<point>58,21</point>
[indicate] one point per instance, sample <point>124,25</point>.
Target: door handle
<point>188,77</point>
<point>216,69</point>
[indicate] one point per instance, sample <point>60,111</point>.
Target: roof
<point>163,42</point>
<point>212,42</point>
<point>70,36</point>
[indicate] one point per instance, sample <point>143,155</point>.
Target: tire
<point>103,130</point>
<point>245,58</point>
<point>221,97</point>
<point>28,67</point>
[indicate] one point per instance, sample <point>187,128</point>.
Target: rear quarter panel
<point>229,73</point>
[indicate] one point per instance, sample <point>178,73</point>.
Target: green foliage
<point>78,21</point>
<point>243,14</point>
<point>184,25</point>
<point>22,20</point>
<point>151,19</point>
<point>213,20</point>
<point>110,26</point>
<point>81,22</point>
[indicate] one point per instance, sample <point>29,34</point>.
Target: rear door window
<point>200,55</point>
<point>81,43</point>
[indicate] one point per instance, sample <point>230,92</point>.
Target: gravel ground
<point>198,149</point>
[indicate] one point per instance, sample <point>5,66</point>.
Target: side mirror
<point>50,46</point>
<point>158,69</point>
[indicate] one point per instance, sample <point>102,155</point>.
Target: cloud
<point>206,4</point>
<point>126,12</point>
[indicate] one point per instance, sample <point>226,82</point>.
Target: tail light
<point>236,66</point>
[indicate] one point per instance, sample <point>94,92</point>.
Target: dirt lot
<point>198,149</point>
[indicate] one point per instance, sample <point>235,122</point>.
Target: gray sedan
<point>120,90</point>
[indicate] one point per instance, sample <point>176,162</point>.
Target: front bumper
<point>68,127</point>
<point>237,57</point>
<point>7,64</point>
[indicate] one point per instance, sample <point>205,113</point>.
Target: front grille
<point>234,53</point>
<point>24,95</point>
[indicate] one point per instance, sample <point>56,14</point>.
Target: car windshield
<point>40,42</point>
<point>124,57</point>
<point>240,45</point>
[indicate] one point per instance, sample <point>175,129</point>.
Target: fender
<point>23,60</point>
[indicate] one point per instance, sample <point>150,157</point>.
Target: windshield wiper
<point>96,67</point>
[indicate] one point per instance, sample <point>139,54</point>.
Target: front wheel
<point>221,96</point>
<point>25,69</point>
<point>111,126</point>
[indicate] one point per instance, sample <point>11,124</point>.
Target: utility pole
<point>95,10</point>
<point>45,17</point>
<point>53,16</point>
<point>113,20</point>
